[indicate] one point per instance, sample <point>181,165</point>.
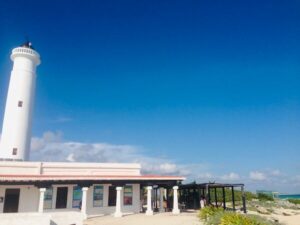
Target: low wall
<point>25,219</point>
<point>57,218</point>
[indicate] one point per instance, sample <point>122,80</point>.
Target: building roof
<point>48,173</point>
<point>40,180</point>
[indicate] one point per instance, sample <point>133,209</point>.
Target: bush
<point>264,197</point>
<point>209,211</point>
<point>237,219</point>
<point>217,216</point>
<point>295,201</point>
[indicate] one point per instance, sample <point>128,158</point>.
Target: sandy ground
<point>289,220</point>
<point>138,219</point>
<point>292,219</point>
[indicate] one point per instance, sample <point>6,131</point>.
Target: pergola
<point>191,194</point>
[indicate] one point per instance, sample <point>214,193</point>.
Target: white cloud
<point>52,147</point>
<point>275,173</point>
<point>257,176</point>
<point>230,177</point>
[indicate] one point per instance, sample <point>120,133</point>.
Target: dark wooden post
<point>224,198</point>
<point>216,197</point>
<point>233,200</point>
<point>199,197</point>
<point>155,198</point>
<point>167,199</point>
<point>244,199</point>
<point>194,198</point>
<point>209,197</point>
<point>207,194</point>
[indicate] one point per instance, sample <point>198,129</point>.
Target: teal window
<point>98,196</point>
<point>77,197</point>
<point>128,195</point>
<point>48,198</point>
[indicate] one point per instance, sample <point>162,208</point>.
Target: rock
<point>274,220</point>
<point>262,210</point>
<point>286,214</point>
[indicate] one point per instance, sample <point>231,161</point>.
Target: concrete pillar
<point>149,211</point>
<point>161,200</point>
<point>118,212</point>
<point>41,202</point>
<point>175,200</point>
<point>84,201</point>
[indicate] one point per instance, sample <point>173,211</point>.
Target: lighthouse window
<point>20,103</point>
<point>15,151</point>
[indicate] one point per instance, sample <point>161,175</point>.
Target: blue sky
<point>208,89</point>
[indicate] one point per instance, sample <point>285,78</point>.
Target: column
<point>243,199</point>
<point>224,198</point>
<point>41,202</point>
<point>161,200</point>
<point>84,201</point>
<point>175,201</point>
<point>233,200</point>
<point>149,211</point>
<point>118,212</point>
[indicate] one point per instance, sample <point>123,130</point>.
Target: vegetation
<point>237,219</point>
<point>228,195</point>
<point>294,201</point>
<point>264,197</point>
<point>209,211</point>
<point>217,216</point>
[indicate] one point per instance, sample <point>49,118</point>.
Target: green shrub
<point>262,220</point>
<point>237,219</point>
<point>295,201</point>
<point>217,216</point>
<point>209,211</point>
<point>215,219</point>
<point>264,197</point>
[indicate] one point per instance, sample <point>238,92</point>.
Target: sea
<point>281,196</point>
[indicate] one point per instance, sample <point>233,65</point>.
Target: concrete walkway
<point>138,219</point>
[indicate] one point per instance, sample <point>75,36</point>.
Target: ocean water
<point>289,196</point>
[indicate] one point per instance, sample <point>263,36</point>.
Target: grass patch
<point>294,201</point>
<point>217,216</point>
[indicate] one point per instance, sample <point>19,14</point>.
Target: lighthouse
<point>16,130</point>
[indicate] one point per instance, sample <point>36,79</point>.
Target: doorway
<point>11,201</point>
<point>112,196</point>
<point>61,197</point>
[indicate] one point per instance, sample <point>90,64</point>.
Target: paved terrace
<point>138,219</point>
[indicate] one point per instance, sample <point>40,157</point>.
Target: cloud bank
<point>52,147</point>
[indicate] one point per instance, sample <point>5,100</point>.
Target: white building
<point>45,187</point>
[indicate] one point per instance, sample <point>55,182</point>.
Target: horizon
<point>205,90</point>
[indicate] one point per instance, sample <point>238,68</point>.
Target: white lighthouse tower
<point>16,131</point>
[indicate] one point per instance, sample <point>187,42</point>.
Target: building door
<point>112,196</point>
<point>11,201</point>
<point>61,197</point>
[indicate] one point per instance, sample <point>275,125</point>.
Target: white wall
<point>68,168</point>
<point>25,219</point>
<point>55,218</point>
<point>134,208</point>
<point>16,131</point>
<point>29,198</point>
